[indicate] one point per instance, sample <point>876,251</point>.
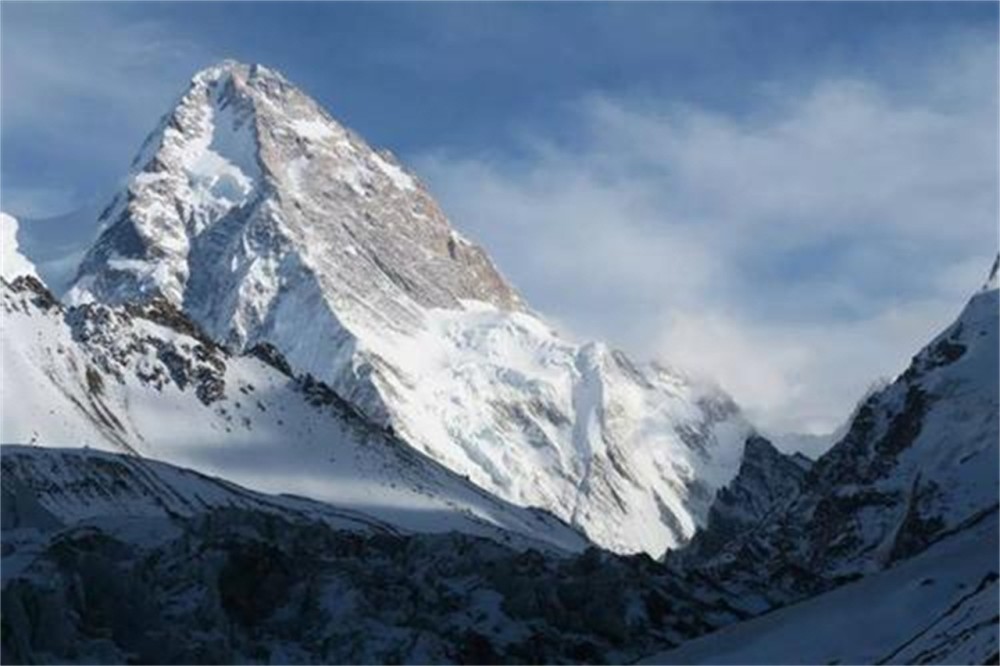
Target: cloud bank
<point>794,253</point>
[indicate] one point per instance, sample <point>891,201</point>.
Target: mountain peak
<point>757,446</point>
<point>268,222</point>
<point>246,166</point>
<point>266,89</point>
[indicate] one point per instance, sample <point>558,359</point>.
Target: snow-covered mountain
<point>144,379</point>
<point>274,304</point>
<point>890,538</point>
<point>266,221</point>
<point>919,462</point>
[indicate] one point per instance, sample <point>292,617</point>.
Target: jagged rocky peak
<point>767,483</point>
<point>250,174</point>
<point>760,457</point>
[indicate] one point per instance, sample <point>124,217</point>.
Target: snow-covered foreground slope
<point>138,499</point>
<point>940,607</point>
<point>265,220</point>
<point>112,559</point>
<point>143,380</point>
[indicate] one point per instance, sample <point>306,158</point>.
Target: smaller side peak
<point>757,447</point>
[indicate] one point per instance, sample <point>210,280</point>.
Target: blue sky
<point>788,197</point>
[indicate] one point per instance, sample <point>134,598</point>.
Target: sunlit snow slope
<point>143,379</point>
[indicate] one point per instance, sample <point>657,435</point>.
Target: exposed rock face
<point>269,223</point>
<point>250,173</point>
<point>768,482</point>
<point>919,462</point>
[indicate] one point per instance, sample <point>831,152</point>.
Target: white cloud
<point>70,73</point>
<point>129,67</point>
<point>795,254</point>
<point>38,202</point>
<point>800,376</point>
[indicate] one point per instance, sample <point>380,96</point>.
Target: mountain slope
<point>145,380</point>
<point>267,221</point>
<point>906,502</point>
<point>920,461</point>
<point>921,456</point>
